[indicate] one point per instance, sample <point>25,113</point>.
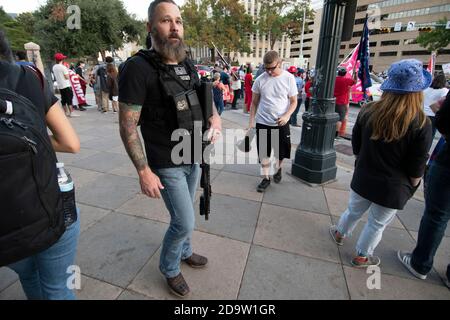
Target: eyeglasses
<point>271,68</point>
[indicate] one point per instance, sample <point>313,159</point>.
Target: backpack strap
<point>39,74</point>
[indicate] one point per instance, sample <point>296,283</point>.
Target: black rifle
<point>205,96</point>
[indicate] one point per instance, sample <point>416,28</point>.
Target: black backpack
<point>31,214</point>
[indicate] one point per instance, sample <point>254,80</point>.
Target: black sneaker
<point>82,109</point>
<point>277,177</point>
<point>263,185</point>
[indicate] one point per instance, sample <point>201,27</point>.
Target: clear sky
<point>138,7</point>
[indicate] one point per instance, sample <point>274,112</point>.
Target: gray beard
<point>167,50</point>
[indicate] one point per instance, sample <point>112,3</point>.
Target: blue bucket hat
<point>407,76</point>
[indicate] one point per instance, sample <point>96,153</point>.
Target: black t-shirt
<point>139,85</point>
<point>30,86</point>
<point>443,125</point>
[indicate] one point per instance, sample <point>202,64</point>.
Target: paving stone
<point>13,292</point>
<point>338,202</point>
<point>245,169</point>
<point>392,288</point>
<point>89,216</point>
<point>412,215</point>
<point>125,170</point>
<point>108,191</point>
<point>92,289</point>
<point>442,257</point>
<point>82,177</point>
<point>296,195</point>
<point>119,149</point>
<point>7,278</point>
<point>230,217</point>
<point>392,241</point>
<point>130,295</point>
<point>115,250</point>
<point>344,178</point>
<point>276,275</point>
<point>103,162</point>
<point>74,159</point>
<point>295,231</point>
<point>220,280</point>
<point>145,207</point>
<point>237,185</point>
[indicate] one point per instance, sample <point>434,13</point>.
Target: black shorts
<point>66,96</point>
<point>341,110</point>
<point>264,141</point>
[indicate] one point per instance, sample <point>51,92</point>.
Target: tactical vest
<point>172,100</point>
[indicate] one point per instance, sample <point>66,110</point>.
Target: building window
<point>342,46</point>
<point>260,53</point>
<point>307,48</point>
<point>341,56</point>
<point>409,41</point>
<point>373,44</point>
<point>415,53</point>
<point>352,45</point>
<point>372,54</point>
<point>361,8</point>
<point>390,43</point>
<point>357,34</point>
<point>307,56</point>
<point>388,54</point>
<point>307,40</point>
<point>443,51</point>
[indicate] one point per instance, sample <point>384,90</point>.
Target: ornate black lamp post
<point>315,159</point>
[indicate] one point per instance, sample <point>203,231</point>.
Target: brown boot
<point>178,286</point>
<point>196,261</point>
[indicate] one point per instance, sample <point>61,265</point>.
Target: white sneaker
<point>405,259</point>
<point>74,115</point>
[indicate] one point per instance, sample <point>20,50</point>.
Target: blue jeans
<point>44,276</point>
<point>379,218</point>
<point>294,115</point>
<point>180,185</point>
<point>434,220</point>
<point>219,106</point>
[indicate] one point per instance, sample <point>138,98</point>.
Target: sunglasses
<point>271,68</point>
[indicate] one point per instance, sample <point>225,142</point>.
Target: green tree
<point>15,31</point>
<point>283,17</point>
<point>105,24</point>
<point>437,39</point>
<point>222,22</point>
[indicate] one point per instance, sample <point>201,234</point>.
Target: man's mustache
<point>174,36</point>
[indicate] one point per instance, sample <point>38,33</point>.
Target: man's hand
<point>283,120</point>
<point>150,183</point>
<point>215,130</point>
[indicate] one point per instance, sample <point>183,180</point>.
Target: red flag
<point>431,63</point>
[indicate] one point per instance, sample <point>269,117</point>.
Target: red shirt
<point>342,89</point>
<point>307,87</point>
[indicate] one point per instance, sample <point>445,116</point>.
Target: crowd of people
<point>391,141</point>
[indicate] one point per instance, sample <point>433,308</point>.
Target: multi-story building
<point>259,43</point>
<point>394,27</point>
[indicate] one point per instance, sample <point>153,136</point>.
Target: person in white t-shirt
<point>274,100</point>
<point>433,94</point>
<point>61,74</point>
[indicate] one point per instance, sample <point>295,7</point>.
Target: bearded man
<point>153,85</point>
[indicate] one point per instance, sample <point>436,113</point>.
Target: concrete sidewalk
<point>260,246</point>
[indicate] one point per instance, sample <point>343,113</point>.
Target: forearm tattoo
<point>128,118</point>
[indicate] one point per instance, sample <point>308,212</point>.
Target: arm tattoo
<point>128,118</point>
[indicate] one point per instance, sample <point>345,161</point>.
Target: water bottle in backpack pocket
<point>67,188</point>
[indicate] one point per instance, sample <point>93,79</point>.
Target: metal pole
<point>315,159</point>
<point>303,33</point>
